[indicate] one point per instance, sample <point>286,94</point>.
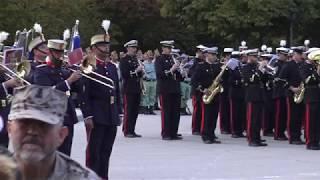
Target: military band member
<point>38,51</point>
<point>236,95</point>
<point>224,112</point>
<point>131,72</point>
<point>291,72</point>
<point>311,80</point>
<point>6,88</point>
<point>202,78</point>
<point>196,94</point>
<point>268,107</point>
<point>254,93</point>
<point>100,108</point>
<point>279,96</point>
<point>53,74</point>
<point>168,88</point>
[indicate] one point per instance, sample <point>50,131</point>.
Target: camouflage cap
<point>42,103</point>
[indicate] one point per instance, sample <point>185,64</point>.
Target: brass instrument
<point>298,96</point>
<point>87,68</point>
<point>215,87</point>
<point>21,71</point>
<point>314,55</point>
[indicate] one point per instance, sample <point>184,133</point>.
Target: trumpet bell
<point>314,55</point>
<point>88,69</point>
<point>23,69</point>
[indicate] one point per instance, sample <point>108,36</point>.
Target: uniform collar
<point>100,61</point>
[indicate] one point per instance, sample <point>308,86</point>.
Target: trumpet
<point>87,68</point>
<point>267,68</point>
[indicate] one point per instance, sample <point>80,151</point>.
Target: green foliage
<point>257,21</point>
<point>189,22</point>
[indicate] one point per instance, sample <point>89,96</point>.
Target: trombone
<point>87,68</point>
<point>22,70</point>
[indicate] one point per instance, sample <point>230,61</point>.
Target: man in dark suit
<point>291,73</point>
<point>196,94</point>
<point>99,108</point>
<point>53,74</point>
<point>253,75</point>
<point>131,72</point>
<point>168,87</point>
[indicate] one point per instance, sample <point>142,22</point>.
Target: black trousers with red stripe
<point>131,104</point>
<point>224,113</point>
<point>99,149</point>
<point>237,116</point>
<point>295,118</point>
<point>196,114</point>
<point>312,117</point>
<point>280,115</point>
<point>254,121</point>
<point>268,114</point>
<point>170,114</point>
<point>209,119</point>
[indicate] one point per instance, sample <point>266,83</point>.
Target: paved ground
<point>150,158</point>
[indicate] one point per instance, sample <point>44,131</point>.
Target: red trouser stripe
<point>202,119</point>
<point>194,113</point>
<point>307,119</point>
<point>276,133</point>
<point>125,115</point>
<point>162,115</point>
<point>288,117</point>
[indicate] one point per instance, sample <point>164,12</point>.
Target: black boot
<point>151,111</point>
<point>183,111</point>
<point>142,110</point>
<point>156,107</point>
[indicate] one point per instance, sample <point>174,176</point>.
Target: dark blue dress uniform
<point>131,89</point>
<point>280,104</point>
<point>34,65</point>
<point>311,82</point>
<point>254,97</point>
<point>291,73</point>
<point>48,75</point>
<point>224,107</point>
<point>100,103</point>
<point>196,101</point>
<point>237,104</point>
<point>268,108</point>
<point>4,110</point>
<point>168,88</point>
<point>202,79</point>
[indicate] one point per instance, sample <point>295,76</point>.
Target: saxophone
<point>215,87</point>
<point>298,96</point>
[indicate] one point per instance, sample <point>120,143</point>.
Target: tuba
<point>215,87</point>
